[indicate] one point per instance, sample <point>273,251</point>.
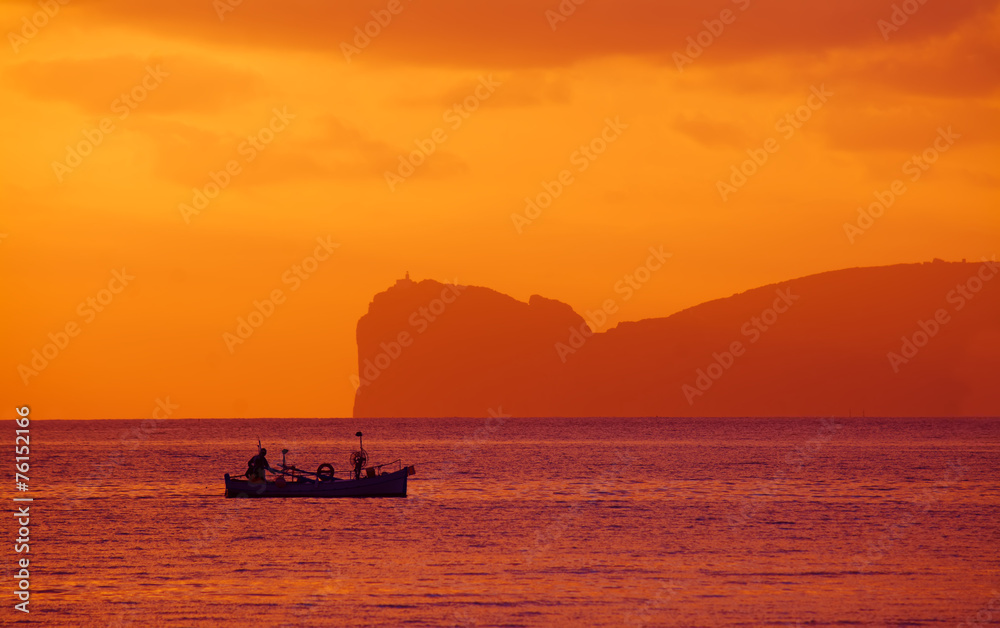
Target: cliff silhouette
<point>902,340</point>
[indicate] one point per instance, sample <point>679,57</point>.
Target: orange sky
<point>540,86</point>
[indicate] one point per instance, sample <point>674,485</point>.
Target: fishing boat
<point>384,480</point>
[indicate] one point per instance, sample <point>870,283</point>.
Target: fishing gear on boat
<point>359,458</point>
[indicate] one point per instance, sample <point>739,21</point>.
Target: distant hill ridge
<point>903,340</point>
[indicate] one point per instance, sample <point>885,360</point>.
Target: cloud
<point>526,88</point>
<point>517,33</point>
<point>965,63</point>
<point>186,84</point>
<point>909,127</point>
<point>712,133</point>
<point>323,149</point>
<point>326,149</point>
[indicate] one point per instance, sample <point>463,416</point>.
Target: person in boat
<point>257,465</point>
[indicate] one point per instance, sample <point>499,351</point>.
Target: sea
<point>518,522</point>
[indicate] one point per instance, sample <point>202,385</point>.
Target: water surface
<point>517,522</point>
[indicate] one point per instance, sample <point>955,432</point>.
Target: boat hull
<point>386,485</point>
